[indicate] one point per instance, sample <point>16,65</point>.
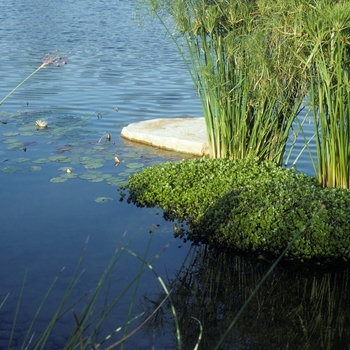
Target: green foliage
<point>248,205</point>
<point>250,89</point>
<point>327,61</point>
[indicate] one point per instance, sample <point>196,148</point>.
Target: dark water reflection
<point>296,308</point>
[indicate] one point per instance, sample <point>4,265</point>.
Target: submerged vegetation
<point>248,205</point>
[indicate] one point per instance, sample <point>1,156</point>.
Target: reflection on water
<point>294,309</point>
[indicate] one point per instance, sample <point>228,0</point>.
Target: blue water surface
<point>114,61</point>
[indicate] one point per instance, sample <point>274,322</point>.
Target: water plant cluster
<point>249,205</point>
<point>257,64</point>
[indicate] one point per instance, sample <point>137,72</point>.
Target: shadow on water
<point>294,309</point>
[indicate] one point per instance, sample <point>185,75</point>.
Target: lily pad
<point>103,199</point>
<point>60,159</point>
<point>69,176</point>
<point>21,160</point>
<point>97,179</point>
<point>41,160</point>
<point>10,141</point>
<point>58,179</point>
<point>15,146</point>
<point>10,169</point>
<point>114,181</point>
<point>33,168</point>
<point>134,165</point>
<point>10,133</point>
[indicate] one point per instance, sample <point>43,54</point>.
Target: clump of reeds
<point>249,98</point>
<point>326,59</point>
<point>49,58</point>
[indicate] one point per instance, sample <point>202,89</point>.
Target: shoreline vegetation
<point>247,205</point>
<point>256,65</point>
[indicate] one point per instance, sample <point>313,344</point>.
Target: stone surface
<point>185,135</point>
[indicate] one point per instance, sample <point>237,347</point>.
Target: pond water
<point>47,214</point>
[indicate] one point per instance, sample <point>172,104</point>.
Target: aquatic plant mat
<point>247,205</point>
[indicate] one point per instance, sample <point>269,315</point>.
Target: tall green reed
<point>326,59</point>
<point>249,99</point>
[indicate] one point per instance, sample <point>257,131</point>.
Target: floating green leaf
<point>61,159</point>
<point>15,146</point>
<point>33,168</point>
<point>41,160</point>
<point>10,169</point>
<point>21,160</point>
<point>58,179</point>
<point>10,133</point>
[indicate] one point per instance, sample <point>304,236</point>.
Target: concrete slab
<point>185,135</point>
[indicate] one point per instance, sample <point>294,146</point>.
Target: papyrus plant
<point>327,40</point>
<point>237,64</point>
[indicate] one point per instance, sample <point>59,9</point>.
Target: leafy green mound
<point>248,205</point>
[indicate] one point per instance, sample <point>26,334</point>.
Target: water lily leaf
<point>26,133</point>
<point>69,176</point>
<point>134,165</point>
<point>10,133</point>
<point>33,168</point>
<point>103,199</point>
<point>41,160</point>
<point>76,143</point>
<point>60,159</point>
<point>100,148</point>
<point>58,179</point>
<point>21,160</point>
<point>114,181</point>
<point>10,141</point>
<point>124,174</point>
<point>15,146</point>
<point>93,165</point>
<point>10,169</point>
<point>97,179</point>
